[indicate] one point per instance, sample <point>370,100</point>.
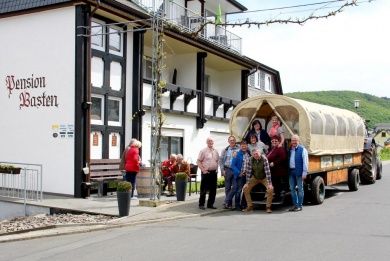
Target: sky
<point>349,51</point>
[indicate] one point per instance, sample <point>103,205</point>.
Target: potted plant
<point>9,169</point>
<point>123,194</point>
<point>181,179</point>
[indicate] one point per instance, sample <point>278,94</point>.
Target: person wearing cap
<point>260,174</point>
<point>241,166</point>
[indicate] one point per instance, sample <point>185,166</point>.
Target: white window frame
<point>115,123</point>
<point>99,122</point>
<point>103,24</point>
<point>120,53</point>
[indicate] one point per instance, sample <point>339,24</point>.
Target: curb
<point>83,228</point>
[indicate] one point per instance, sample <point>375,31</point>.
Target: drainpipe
<point>88,102</point>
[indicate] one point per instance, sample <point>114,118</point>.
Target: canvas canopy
<point>323,130</point>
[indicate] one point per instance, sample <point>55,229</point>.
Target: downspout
<point>88,101</point>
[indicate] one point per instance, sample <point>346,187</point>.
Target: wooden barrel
<point>143,184</point>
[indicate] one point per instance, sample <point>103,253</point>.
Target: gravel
<point>42,221</point>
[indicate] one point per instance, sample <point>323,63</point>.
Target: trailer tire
<point>318,190</point>
<point>353,180</point>
<point>368,171</point>
<point>379,170</point>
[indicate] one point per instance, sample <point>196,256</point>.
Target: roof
<point>382,126</point>
<point>323,130</point>
<point>8,6</point>
<point>238,5</point>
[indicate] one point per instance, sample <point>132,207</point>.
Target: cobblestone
<point>42,221</point>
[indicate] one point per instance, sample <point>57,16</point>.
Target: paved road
<point>348,226</point>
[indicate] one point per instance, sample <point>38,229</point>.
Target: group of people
<point>170,167</point>
<point>261,158</point>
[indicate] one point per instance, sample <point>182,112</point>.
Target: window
<point>116,76</point>
<point>98,37</point>
<point>115,41</point>
<point>252,80</point>
<point>206,82</point>
<point>114,111</point>
<point>147,68</point>
<point>97,112</point>
<point>97,74</point>
<point>383,134</point>
<point>170,145</point>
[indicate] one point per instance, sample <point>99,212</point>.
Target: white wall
<point>185,65</point>
<point>194,139</point>
<point>226,84</point>
<point>42,44</point>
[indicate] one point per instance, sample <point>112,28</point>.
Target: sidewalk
<point>169,210</point>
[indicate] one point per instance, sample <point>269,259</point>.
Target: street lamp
<point>356,104</point>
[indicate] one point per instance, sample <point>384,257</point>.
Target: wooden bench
<point>102,170</point>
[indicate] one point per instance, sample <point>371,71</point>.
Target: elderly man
<point>167,171</point>
<point>260,174</point>
<point>208,164</point>
<point>298,166</point>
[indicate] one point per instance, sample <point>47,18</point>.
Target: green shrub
<point>385,154</point>
<point>221,182</point>
<point>123,186</point>
<point>181,176</point>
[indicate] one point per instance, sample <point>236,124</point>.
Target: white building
<point>51,116</point>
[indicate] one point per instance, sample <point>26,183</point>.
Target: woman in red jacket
<point>132,162</point>
<point>277,161</point>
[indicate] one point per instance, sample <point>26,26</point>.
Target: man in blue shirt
<point>225,162</point>
<point>298,166</point>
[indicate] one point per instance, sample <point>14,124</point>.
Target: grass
<point>385,154</point>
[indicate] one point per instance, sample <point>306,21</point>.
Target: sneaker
<point>268,210</point>
<point>292,209</point>
<point>227,207</point>
<point>248,209</point>
<point>298,209</point>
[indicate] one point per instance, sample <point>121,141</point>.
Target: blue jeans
<point>228,185</point>
<point>238,183</point>
<point>297,196</point>
<point>131,177</point>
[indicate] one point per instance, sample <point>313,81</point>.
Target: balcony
<point>190,22</point>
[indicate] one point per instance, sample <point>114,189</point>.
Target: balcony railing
<point>190,22</point>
